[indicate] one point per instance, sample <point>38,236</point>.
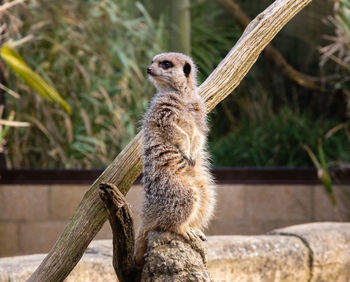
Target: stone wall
<point>32,217</point>
<point>309,252</point>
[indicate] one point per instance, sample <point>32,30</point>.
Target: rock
<point>18,269</point>
<point>308,252</point>
<point>329,248</point>
<point>257,258</point>
<point>95,265</point>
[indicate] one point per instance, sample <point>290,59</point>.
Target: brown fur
<point>178,187</point>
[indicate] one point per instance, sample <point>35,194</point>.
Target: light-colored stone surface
<point>257,258</point>
<point>18,269</point>
<point>279,202</point>
<point>329,243</point>
<point>64,199</point>
<point>95,265</point>
<point>39,237</point>
<point>24,202</point>
<point>8,238</point>
<point>282,256</point>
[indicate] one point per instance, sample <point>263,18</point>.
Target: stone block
<point>329,245</point>
<point>267,226</point>
<point>8,239</point>
<point>230,258</point>
<point>18,269</point>
<point>342,193</point>
<point>95,265</point>
<point>230,202</point>
<point>323,209</point>
<point>257,258</point>
<point>39,237</point>
<point>229,212</point>
<point>24,202</point>
<point>284,256</point>
<point>64,200</point>
<point>279,202</point>
<point>223,226</point>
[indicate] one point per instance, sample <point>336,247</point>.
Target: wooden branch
<point>271,53</point>
<point>90,216</point>
<point>121,220</point>
<point>91,213</point>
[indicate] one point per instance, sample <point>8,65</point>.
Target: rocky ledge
<point>307,252</point>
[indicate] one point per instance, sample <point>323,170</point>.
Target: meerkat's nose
<point>149,70</point>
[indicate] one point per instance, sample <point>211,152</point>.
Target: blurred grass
<point>94,52</point>
<point>279,140</point>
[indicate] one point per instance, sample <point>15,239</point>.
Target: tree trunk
<point>180,24</point>
<point>91,213</point>
<point>171,258</point>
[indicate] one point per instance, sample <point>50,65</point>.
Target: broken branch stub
<point>91,213</point>
<point>121,220</point>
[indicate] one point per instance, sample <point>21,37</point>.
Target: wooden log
<point>121,220</point>
<point>170,257</point>
<point>91,213</point>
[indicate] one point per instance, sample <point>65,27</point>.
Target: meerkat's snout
<point>149,70</point>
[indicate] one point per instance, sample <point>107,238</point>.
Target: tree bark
<point>121,220</point>
<point>271,53</point>
<point>91,213</point>
<point>171,258</point>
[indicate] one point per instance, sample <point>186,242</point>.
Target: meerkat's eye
<point>166,64</point>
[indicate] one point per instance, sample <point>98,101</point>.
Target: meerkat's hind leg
<point>195,233</point>
<point>200,234</point>
<point>191,234</point>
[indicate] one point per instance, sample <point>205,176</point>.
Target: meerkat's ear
<point>187,69</point>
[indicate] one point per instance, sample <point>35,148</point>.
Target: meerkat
<point>178,187</point>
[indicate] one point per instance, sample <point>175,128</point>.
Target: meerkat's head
<point>172,71</point>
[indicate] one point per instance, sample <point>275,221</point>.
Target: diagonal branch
<point>271,53</point>
<point>91,213</point>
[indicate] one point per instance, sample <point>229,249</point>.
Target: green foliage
<point>95,53</point>
<point>213,35</point>
<point>278,140</point>
<point>33,80</point>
